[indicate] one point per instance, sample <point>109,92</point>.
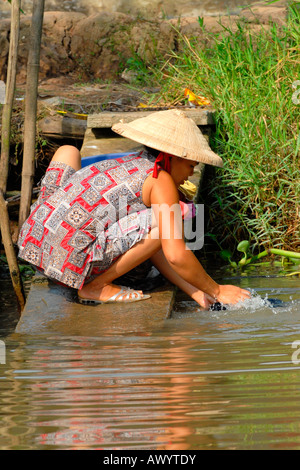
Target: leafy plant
<point>244,247</point>
<point>247,76</point>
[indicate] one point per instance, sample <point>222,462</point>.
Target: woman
<point>90,226</point>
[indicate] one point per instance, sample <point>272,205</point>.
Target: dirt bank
<point>166,8</point>
<point>97,47</point>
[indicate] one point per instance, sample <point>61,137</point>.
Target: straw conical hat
<point>173,132</point>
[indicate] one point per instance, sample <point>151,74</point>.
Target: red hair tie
<point>167,163</point>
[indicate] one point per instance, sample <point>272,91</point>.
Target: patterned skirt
<point>98,256</point>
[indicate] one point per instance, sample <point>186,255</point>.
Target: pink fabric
<point>188,210</point>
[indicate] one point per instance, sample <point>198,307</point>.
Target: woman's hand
<point>204,300</point>
<point>229,294</point>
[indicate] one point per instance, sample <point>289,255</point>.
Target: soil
<point>87,59</point>
<point>88,98</point>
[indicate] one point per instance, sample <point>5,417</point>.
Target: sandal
<point>125,295</point>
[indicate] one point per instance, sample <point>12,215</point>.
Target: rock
<point>56,40</point>
<point>103,45</point>
<point>54,56</point>
<point>114,38</point>
<point>129,75</point>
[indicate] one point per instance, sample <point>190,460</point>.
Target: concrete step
<point>52,308</point>
<point>201,116</point>
<point>99,138</point>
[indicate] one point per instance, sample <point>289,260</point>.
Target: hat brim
<point>179,136</point>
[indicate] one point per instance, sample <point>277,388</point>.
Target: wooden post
<point>5,148</point>
<point>10,93</point>
<point>33,66</point>
<point>10,254</point>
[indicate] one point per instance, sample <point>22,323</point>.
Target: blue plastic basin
<point>85,161</point>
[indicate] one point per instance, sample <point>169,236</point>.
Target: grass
<point>249,77</point>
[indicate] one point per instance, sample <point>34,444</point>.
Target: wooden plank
<point>201,116</point>
<point>62,126</point>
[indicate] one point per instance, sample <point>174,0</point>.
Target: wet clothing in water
<point>84,220</point>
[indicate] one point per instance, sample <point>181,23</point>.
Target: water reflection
<point>104,393</point>
<point>223,380</point>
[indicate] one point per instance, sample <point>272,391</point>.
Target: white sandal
<point>125,295</point>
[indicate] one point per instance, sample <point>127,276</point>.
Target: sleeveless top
<point>86,217</point>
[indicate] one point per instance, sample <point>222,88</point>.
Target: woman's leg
<point>101,288</point>
<point>69,155</point>
<point>159,260</point>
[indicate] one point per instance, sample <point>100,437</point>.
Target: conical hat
<point>173,132</point>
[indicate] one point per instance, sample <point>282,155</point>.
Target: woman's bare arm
<point>164,197</point>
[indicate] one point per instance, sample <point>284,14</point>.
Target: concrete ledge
<point>51,308</point>
<point>201,116</point>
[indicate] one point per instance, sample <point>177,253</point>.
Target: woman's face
<point>181,169</point>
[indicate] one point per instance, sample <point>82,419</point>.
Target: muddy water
<point>219,380</point>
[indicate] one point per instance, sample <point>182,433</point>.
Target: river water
<point>205,380</point>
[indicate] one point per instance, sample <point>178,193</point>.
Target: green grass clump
<point>249,77</point>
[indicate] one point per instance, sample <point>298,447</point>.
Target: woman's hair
<point>152,151</point>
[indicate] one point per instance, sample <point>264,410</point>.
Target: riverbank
<point>101,46</point>
<point>250,76</point>
<point>244,64</point>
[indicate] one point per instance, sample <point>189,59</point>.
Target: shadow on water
<point>204,380</point>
